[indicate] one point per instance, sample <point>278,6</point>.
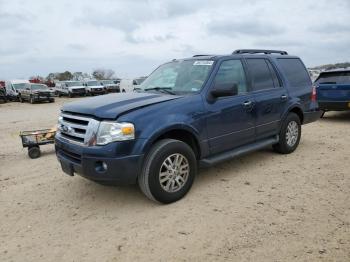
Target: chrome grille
<point>77,128</point>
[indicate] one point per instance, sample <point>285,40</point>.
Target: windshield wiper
<point>161,89</point>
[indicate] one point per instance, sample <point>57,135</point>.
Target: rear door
<point>299,81</point>
<point>269,95</point>
<point>230,120</point>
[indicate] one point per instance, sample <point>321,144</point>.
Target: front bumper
<point>43,98</point>
<point>97,91</point>
<point>87,162</point>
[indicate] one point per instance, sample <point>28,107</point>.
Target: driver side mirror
<point>221,90</point>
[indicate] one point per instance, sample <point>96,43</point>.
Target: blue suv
<point>188,113</point>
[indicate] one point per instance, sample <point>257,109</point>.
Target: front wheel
<point>168,172</point>
<point>290,134</point>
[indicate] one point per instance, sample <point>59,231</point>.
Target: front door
<point>230,120</point>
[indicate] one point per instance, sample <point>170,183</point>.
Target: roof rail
<point>201,55</point>
<point>259,51</point>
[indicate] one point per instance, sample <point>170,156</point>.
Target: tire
<point>289,127</point>
<point>70,94</point>
<point>31,100</point>
<point>51,100</point>
<point>20,99</point>
<point>323,113</point>
<point>34,152</point>
<point>155,162</point>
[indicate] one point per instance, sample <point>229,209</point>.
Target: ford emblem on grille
<point>67,129</point>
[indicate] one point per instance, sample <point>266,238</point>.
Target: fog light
<point>101,166</point>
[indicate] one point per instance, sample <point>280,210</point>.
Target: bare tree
<point>101,73</point>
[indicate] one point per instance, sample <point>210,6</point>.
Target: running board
<point>207,162</point>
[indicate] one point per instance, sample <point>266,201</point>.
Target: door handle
<point>248,104</point>
<point>284,97</point>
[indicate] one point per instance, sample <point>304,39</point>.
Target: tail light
<point>313,94</point>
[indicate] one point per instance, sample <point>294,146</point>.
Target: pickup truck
<point>70,88</point>
<point>333,90</point>
<point>36,93</point>
<point>94,87</point>
<point>110,86</point>
<point>189,113</point>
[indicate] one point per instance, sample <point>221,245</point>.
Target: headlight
<point>110,131</point>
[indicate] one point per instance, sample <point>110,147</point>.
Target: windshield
<point>180,77</point>
<point>76,83</point>
<point>93,83</point>
<point>19,86</point>
<point>38,87</point>
<point>107,82</point>
<point>334,78</point>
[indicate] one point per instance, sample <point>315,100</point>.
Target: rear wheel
<point>290,134</point>
<point>34,152</point>
<point>168,172</point>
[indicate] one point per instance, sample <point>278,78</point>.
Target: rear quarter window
<point>295,72</point>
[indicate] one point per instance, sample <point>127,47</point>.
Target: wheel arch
<point>297,110</point>
<point>180,132</point>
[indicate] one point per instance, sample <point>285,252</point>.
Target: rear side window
<point>260,74</point>
<point>295,72</point>
<point>334,78</point>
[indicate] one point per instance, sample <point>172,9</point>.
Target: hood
<point>113,105</point>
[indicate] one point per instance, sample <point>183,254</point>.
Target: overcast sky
<point>133,37</point>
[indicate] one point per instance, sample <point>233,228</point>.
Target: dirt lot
<point>261,207</point>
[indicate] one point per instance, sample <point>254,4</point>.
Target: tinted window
<point>275,79</point>
<point>230,72</point>
<point>295,72</point>
<point>260,74</point>
<point>334,78</point>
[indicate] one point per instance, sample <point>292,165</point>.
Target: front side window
<point>231,72</point>
<point>180,77</point>
<point>260,74</point>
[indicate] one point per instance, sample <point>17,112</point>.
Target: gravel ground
<point>260,207</point>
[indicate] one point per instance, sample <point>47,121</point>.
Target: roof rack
<point>259,51</point>
<point>201,55</point>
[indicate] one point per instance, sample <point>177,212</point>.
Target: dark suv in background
<point>36,93</point>
<point>189,112</point>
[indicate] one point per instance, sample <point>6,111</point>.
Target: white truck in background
<point>128,85</point>
<point>13,88</point>
<point>70,88</point>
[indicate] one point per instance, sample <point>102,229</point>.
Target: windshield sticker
<point>204,62</point>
